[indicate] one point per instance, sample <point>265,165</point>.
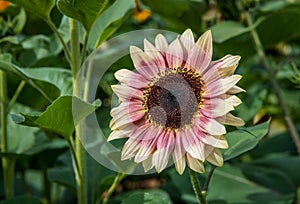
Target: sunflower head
<point>176,103</point>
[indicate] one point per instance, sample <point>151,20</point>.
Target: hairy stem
<point>197,187</point>
<point>274,83</point>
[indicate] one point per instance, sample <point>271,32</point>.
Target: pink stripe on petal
<point>192,144</point>
<point>161,43</point>
<point>129,149</point>
<point>127,119</point>
<point>165,145</point>
<point>126,93</point>
<point>143,63</point>
<point>174,54</point>
<point>131,79</point>
<point>215,107</point>
<point>187,40</point>
<point>209,125</point>
<point>211,75</point>
<point>126,108</point>
<point>155,55</point>
<point>148,146</point>
<point>220,86</point>
<point>194,164</point>
<point>200,56</point>
<point>179,153</point>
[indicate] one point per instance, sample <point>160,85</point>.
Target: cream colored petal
<point>215,141</point>
<point>126,93</point>
<point>215,157</point>
<point>131,79</point>
<point>161,43</point>
<point>155,55</point>
<point>232,120</point>
<point>233,100</point>
<point>215,107</point>
<point>235,89</point>
<point>148,164</point>
<point>130,148</point>
<point>187,40</point>
<point>179,154</point>
<point>118,134</point>
<point>174,54</point>
<point>195,164</point>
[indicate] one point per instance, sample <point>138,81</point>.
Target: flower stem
<point>80,151</point>
<point>113,187</point>
<point>197,188</point>
<point>7,164</point>
<point>275,86</point>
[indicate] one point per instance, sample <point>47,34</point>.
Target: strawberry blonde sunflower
<point>176,103</point>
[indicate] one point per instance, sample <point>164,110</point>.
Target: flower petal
<point>200,55</point>
<point>233,100</point>
<point>194,164</point>
<point>143,63</point>
<point>174,54</point>
<point>165,145</point>
<point>130,147</point>
<point>215,157</point>
<point>220,86</point>
<point>235,89</point>
<point>126,93</point>
<point>187,40</point>
<point>230,119</point>
<point>215,107</point>
<point>179,154</point>
<point>148,164</point>
<point>209,125</point>
<point>226,65</point>
<point>192,144</point>
<point>161,43</point>
<point>131,79</point>
<point>155,56</point>
<point>118,134</point>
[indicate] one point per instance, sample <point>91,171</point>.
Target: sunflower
<point>176,103</point>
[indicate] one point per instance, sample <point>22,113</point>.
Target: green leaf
<point>40,8</point>
<point>109,21</point>
<point>230,29</point>
<point>60,77</point>
<point>243,140</point>
<point>241,190</point>
<point>85,11</point>
<point>25,199</point>
<point>19,21</point>
<point>148,197</point>
<point>49,91</point>
<point>60,117</point>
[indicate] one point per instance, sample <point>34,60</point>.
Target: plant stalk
<point>113,187</point>
<point>80,151</point>
<point>197,188</point>
<point>275,86</point>
<point>7,164</point>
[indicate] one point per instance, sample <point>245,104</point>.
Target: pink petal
<point>220,86</point>
<point>165,145</point>
<point>130,148</point>
<point>192,144</point>
<point>155,55</point>
<point>187,40</point>
<point>161,43</point>
<point>215,107</point>
<point>200,55</point>
<point>174,54</point>
<point>126,108</point>
<point>131,79</point>
<point>179,154</point>
<point>227,65</point>
<point>126,93</point>
<point>209,125</point>
<point>143,63</point>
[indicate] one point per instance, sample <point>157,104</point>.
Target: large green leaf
<point>230,185</point>
<point>244,139</point>
<point>85,11</point>
<point>109,21</point>
<point>49,91</point>
<point>40,8</point>
<point>60,117</point>
<point>62,175</point>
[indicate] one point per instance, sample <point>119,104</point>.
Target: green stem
<point>46,185</point>
<point>16,95</point>
<point>80,151</point>
<point>84,48</point>
<point>55,30</point>
<point>275,86</point>
<point>113,187</point>
<point>7,165</point>
<point>74,158</point>
<point>196,186</point>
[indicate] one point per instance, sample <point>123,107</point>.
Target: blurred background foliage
<point>269,173</point>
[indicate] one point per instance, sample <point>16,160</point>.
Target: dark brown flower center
<point>173,98</point>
